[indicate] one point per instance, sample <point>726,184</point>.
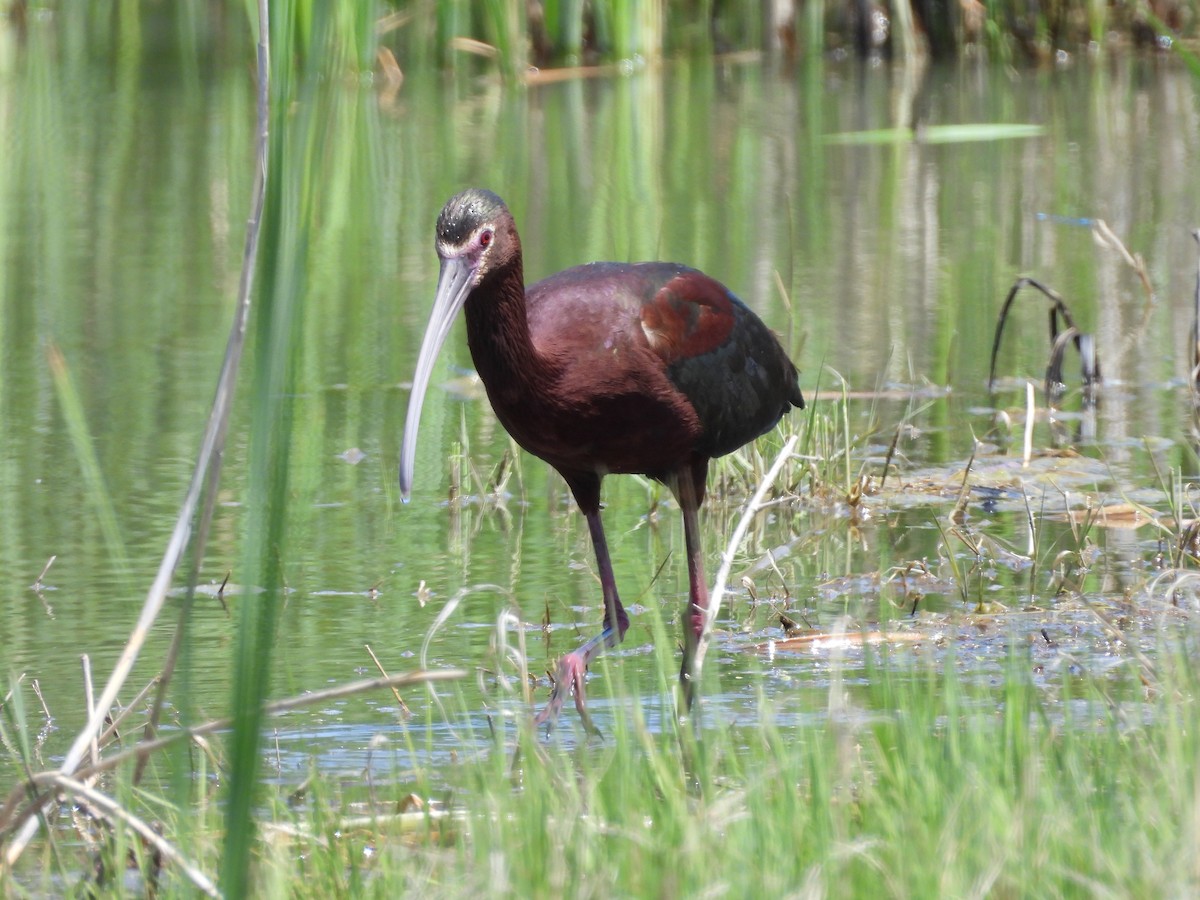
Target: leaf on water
<point>1118,515</point>
<point>938,134</point>
<point>418,823</point>
<point>918,391</point>
<point>817,641</point>
<point>225,589</point>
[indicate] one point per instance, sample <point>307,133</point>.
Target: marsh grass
<point>909,777</point>
<point>913,786</point>
<point>913,781</point>
<point>85,454</point>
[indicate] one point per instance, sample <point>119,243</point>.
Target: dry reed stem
<point>12,816</point>
<point>210,451</point>
<point>110,809</point>
<point>116,721</point>
<point>404,822</point>
<point>1030,416</point>
<point>503,652</point>
<point>89,694</point>
<point>1108,239</point>
<point>36,687</point>
<point>753,505</point>
<point>37,582</point>
<point>442,617</point>
<point>395,693</point>
<point>959,513</point>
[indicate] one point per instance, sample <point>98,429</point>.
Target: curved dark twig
<point>1058,308</point>
<point>1054,387</point>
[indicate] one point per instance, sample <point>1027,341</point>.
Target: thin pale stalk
<point>108,807</point>
<point>210,449</point>
<point>90,695</point>
<point>42,779</point>
<point>753,505</point>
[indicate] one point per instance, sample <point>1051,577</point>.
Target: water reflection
<point>121,222</point>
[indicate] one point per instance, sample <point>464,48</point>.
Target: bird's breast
<point>600,418</point>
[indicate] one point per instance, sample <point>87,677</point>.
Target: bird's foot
<point>570,677</point>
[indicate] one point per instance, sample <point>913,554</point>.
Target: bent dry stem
<point>212,445</point>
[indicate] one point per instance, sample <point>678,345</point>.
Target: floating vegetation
<point>938,134</point>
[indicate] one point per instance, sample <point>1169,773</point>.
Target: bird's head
<point>476,241</point>
<point>476,238</point>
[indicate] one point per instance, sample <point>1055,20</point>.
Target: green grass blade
<point>85,453</point>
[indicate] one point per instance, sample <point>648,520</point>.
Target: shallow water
<point>122,202</point>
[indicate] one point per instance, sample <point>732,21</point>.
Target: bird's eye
<point>485,238</point>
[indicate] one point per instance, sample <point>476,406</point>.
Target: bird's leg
<point>572,668</point>
<point>689,497</point>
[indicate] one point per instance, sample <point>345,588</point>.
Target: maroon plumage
<point>607,368</point>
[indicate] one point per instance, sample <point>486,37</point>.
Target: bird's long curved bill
<point>454,284</point>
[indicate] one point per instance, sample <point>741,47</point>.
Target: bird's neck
<point>498,333</point>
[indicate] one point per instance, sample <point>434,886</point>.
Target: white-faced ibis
<point>609,368</point>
